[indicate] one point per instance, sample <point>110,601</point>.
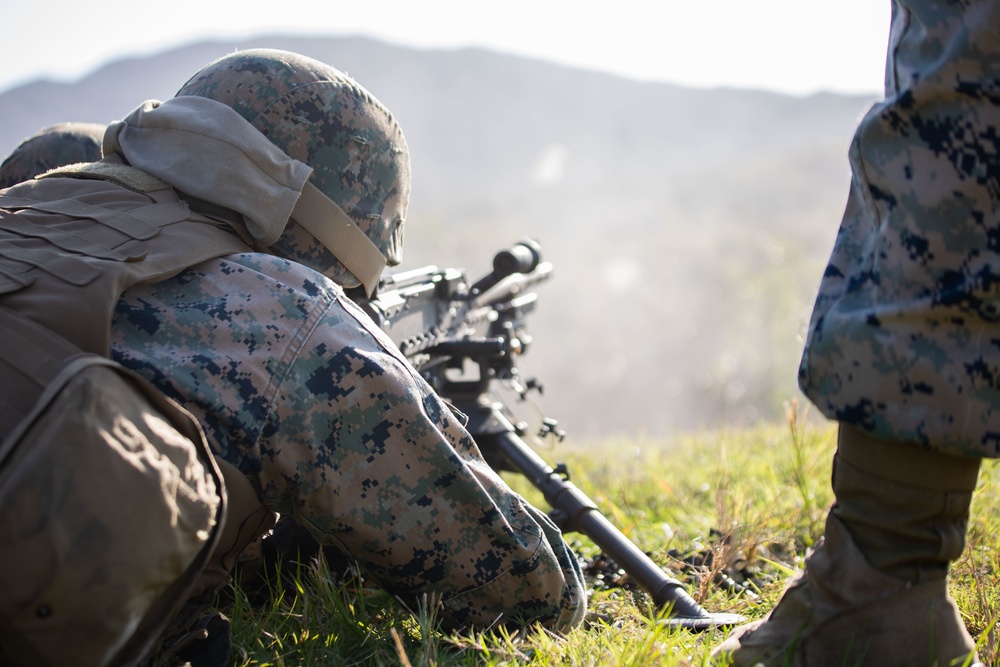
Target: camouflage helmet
<point>320,116</point>
<point>51,147</point>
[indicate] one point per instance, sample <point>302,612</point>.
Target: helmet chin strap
<point>321,217</point>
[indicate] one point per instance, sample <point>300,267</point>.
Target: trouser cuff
<point>908,463</point>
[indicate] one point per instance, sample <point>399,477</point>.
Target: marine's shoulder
<point>278,271</point>
<point>110,171</point>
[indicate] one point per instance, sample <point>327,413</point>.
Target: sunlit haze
<point>792,46</point>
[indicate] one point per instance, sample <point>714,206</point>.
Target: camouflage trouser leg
<point>905,335</point>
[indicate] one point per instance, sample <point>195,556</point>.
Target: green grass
<point>754,498</point>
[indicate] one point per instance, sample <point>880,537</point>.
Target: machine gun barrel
<point>574,511</point>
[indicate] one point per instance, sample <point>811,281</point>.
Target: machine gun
<point>465,339</point>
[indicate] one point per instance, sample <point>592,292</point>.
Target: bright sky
<point>793,46</point>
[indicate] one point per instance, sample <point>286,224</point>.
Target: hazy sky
<point>794,46</point>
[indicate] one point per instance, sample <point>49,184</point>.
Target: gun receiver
<point>465,339</point>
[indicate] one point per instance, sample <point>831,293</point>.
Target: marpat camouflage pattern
<point>904,340</point>
<point>321,117</point>
<point>298,388</point>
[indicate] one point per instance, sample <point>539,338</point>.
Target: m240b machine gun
<point>465,338</point>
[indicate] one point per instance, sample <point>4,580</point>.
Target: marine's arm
<point>368,457</point>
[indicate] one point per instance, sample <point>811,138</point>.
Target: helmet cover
<point>320,116</point>
<point>51,147</point>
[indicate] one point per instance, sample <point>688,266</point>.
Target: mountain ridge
<point>688,227</point>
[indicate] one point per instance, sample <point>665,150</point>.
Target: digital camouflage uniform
<point>52,146</point>
<point>294,384</point>
<point>903,352</point>
<point>904,340</point>
<point>298,388</point>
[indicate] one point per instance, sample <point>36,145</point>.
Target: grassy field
<point>729,513</point>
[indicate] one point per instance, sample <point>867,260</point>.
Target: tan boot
<point>843,610</point>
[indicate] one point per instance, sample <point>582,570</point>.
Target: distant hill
<point>688,227</point>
